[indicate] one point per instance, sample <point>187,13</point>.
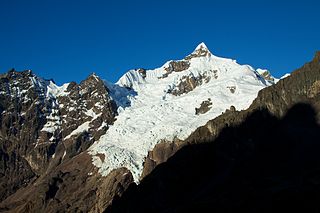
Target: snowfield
<point>149,113</point>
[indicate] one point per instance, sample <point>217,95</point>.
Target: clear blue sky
<point>69,39</point>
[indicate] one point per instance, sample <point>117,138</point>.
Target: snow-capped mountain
<point>76,147</point>
<point>62,146</point>
<point>266,154</point>
<point>171,102</point>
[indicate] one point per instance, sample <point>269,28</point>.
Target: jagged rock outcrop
<point>143,72</point>
<point>23,110</point>
<point>177,66</point>
<point>200,51</point>
<point>204,107</point>
<point>189,83</point>
<point>291,90</point>
<point>44,131</point>
<point>87,111</point>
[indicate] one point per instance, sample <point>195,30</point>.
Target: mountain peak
<point>93,76</point>
<point>12,73</point>
<point>201,46</point>
<point>200,51</point>
<point>317,56</point>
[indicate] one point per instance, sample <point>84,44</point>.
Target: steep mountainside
<point>77,146</point>
<point>43,126</point>
<point>263,159</point>
<point>171,102</point>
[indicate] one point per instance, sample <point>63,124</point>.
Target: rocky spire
<point>317,56</point>
<point>200,51</point>
<point>202,46</point>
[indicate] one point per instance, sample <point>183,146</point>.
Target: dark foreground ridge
<point>265,164</point>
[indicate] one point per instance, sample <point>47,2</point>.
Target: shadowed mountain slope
<point>262,165</point>
<point>259,160</point>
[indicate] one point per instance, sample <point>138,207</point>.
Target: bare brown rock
<point>189,83</point>
<point>45,169</point>
<point>160,154</point>
<point>202,51</point>
<point>72,186</point>
<point>204,107</point>
<point>314,90</point>
<point>177,66</point>
<point>142,72</point>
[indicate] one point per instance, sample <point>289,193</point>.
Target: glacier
<point>148,113</point>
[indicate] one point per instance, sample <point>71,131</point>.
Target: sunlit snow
<point>149,114</point>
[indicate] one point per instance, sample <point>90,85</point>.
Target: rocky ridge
<point>48,132</point>
<point>43,127</point>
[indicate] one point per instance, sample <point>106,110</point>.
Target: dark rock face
<point>189,83</point>
<point>89,103</point>
<point>40,136</point>
<point>90,95</point>
<point>186,85</point>
<point>73,186</point>
<point>23,111</point>
<point>300,86</point>
<point>242,169</point>
<point>242,160</point>
<point>177,66</point>
<point>142,72</point>
<point>160,153</point>
<point>204,107</point>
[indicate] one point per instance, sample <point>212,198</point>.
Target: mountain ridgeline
<point>199,133</point>
<point>263,159</point>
